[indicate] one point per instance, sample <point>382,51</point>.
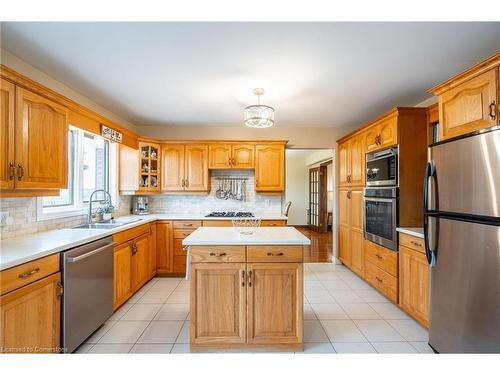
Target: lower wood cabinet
<point>122,274</point>
<point>414,285</point>
<point>164,247</point>
<point>30,317</point>
<point>247,304</point>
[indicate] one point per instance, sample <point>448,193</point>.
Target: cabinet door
<point>218,303</point>
<point>356,243</point>
<point>164,247</point>
<point>7,100</point>
<point>243,156</point>
<point>470,106</point>
<point>388,131</point>
<point>41,138</point>
<point>196,168</point>
<point>140,262</point>
<point>356,210</point>
<point>344,207</point>
<point>270,168</point>
<point>122,274</point>
<point>344,249</point>
<point>370,138</point>
<point>30,317</point>
<point>152,250</point>
<point>275,303</point>
<point>357,161</point>
<point>405,283</point>
<point>343,151</point>
<point>172,167</point>
<point>219,156</point>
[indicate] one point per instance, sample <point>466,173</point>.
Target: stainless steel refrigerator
<point>462,240</point>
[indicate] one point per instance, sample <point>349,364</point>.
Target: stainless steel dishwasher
<point>88,291</point>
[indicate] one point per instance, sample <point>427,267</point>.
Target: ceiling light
<point>259,116</point>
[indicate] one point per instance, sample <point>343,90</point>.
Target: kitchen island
<point>246,290</point>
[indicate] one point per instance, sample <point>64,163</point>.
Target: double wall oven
<point>381,198</point>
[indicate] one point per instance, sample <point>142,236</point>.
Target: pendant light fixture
<point>259,115</point>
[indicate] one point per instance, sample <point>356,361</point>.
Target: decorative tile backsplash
<point>23,210</point>
<point>208,202</point>
<point>23,213</point>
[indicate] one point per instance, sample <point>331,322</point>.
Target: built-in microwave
<point>382,168</point>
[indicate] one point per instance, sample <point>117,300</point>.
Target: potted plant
<point>106,212</point>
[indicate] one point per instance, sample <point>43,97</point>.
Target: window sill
<point>59,213</point>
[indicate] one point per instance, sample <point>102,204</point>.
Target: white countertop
<point>19,250</point>
<point>262,236</point>
<point>412,231</point>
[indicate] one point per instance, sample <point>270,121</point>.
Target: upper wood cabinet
<point>226,156</point>
<point>196,168</point>
<point>469,101</point>
<point>185,167</point>
<point>33,143</point>
<point>382,134</point>
<point>149,167</point>
<point>30,317</point>
<point>352,162</point>
<point>7,168</point>
<point>270,168</point>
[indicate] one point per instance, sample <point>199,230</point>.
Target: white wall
<point>297,180</point>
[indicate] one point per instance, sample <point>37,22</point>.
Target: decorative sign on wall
<point>111,134</point>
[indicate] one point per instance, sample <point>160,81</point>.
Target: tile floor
<point>343,314</point>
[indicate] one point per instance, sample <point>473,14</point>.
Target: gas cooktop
<point>230,214</point>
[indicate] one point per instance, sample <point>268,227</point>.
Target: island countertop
<point>262,236</point>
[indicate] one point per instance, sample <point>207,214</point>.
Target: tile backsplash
<point>23,213</point>
<point>23,210</point>
<point>208,202</point>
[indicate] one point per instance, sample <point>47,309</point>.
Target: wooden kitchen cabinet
<point>414,280</point>
<point>152,250</point>
<point>469,101</point>
<point>352,162</point>
<point>227,156</point>
<point>270,168</point>
<point>7,101</point>
<point>185,167</point>
<point>381,269</point>
<point>122,274</point>
<point>351,252</point>
<point>149,167</point>
<point>382,134</point>
<point>41,137</point>
<point>140,262</point>
<point>164,247</point>
<point>275,303</point>
<point>218,303</point>
<point>30,317</point>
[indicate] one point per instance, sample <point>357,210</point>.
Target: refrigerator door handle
<point>430,173</point>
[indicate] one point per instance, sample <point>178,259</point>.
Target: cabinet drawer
<point>187,224</point>
<point>16,277</point>
<point>385,283</point>
<point>179,264</point>
<point>129,234</point>
<point>382,257</point>
<point>217,254</point>
<point>181,234</point>
<point>217,223</point>
<point>272,223</point>
<point>271,254</point>
<point>414,243</point>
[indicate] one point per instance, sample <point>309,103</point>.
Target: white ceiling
<point>315,74</point>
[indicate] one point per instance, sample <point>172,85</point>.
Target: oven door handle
<point>388,200</point>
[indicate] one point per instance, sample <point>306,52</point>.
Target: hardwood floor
<point>320,250</point>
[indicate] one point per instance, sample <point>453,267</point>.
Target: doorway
<point>318,213</point>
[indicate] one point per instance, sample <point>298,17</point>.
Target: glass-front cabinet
<point>149,166</point>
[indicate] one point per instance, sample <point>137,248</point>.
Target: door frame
<point>322,226</point>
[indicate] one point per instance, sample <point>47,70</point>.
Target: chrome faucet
<point>89,220</point>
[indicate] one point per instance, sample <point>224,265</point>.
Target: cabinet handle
<point>20,172</point>
<point>187,182</point>
<point>134,249</point>
<point>416,243</point>
<point>217,254</point>
<point>250,279</point>
<point>27,274</point>
<point>188,225</point>
<point>60,289</point>
<point>182,183</point>
<point>492,110</point>
<point>348,195</point>
<point>378,256</point>
<point>378,279</point>
<point>242,277</point>
<point>275,254</point>
<point>12,171</point>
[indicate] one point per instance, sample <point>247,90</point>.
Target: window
<point>89,169</point>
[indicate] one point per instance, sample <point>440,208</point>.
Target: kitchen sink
<point>109,224</point>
